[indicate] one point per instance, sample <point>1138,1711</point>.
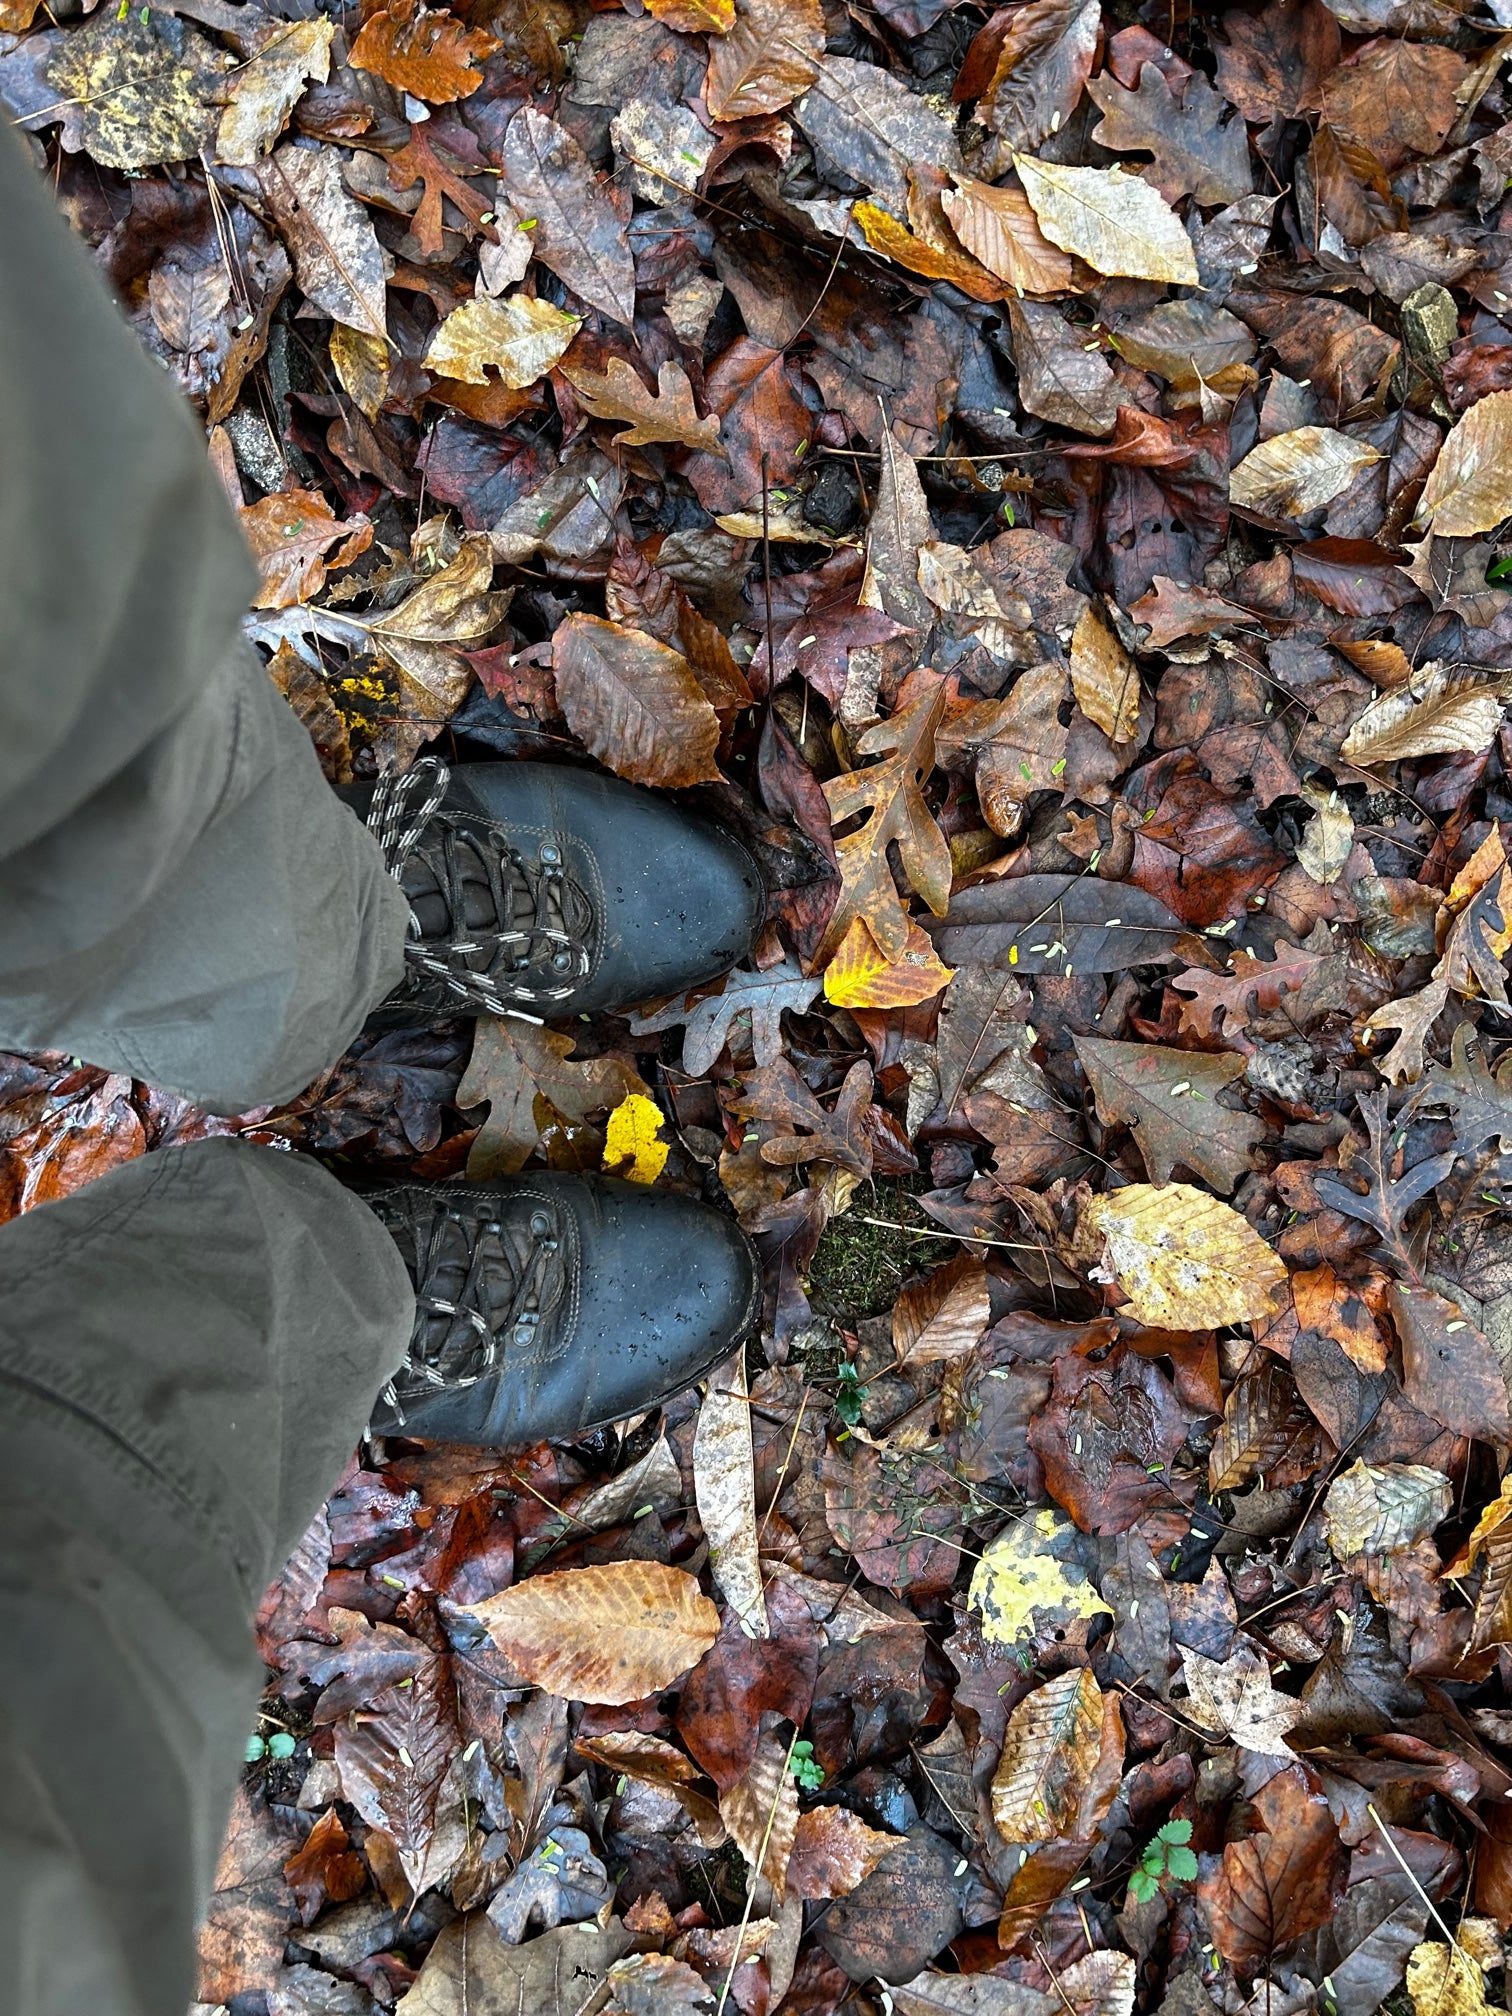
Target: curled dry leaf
<point>1050,1751</point>
<point>1030,1580</point>
<point>608,1634</point>
<point>1292,474</point>
<point>1185,1261</point>
<point>520,338</point>
<point>1104,677</point>
<point>724,1485</point>
<point>635,703</point>
<point>1435,714</point>
<point>667,414</point>
<point>1114,221</point>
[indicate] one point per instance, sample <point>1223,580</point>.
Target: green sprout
<point>1166,1859</point>
<point>848,1399</point>
<point>278,1747</point>
<point>806,1768</point>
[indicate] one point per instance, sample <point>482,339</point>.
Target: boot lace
<point>541,916</point>
<point>481,1285</point>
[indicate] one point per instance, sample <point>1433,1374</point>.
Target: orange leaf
<point>422,51</point>
<point>606,1634</point>
<point>861,976</point>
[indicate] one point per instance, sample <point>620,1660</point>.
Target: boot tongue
<point>425,886</point>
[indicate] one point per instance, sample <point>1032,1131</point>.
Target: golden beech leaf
<point>891,791</point>
<point>521,338</point>
<point>998,227</point>
<point>694,17</point>
<point>1050,1749</point>
<point>1104,677</point>
<point>771,54</point>
<point>1185,1260</point>
<point>1435,714</point>
<point>761,1812</point>
<point>422,50</point>
<point>1469,487</point>
<point>1300,471</point>
<point>1029,1580</point>
<point>1116,222</point>
<point>885,234</point>
<point>861,976</point>
<point>362,364</point>
<point>667,414</point>
<point>633,1147</point>
<point>606,1634</point>
<point>1445,1981</point>
<point>1379,1508</point>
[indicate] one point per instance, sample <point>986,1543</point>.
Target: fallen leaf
<point>761,1812</point>
<point>1469,487</point>
<point>724,1485</point>
<point>1185,1261</point>
<point>695,17</point>
<point>1381,1508</point>
<point>1448,1368</point>
<point>885,234</point>
<point>833,1852</point>
<point>422,50</point>
<point>710,1021</point>
<point>634,703</point>
<point>1170,1098</point>
<point>1396,97</point>
<point>1104,677</point>
<point>1116,222</point>
<point>1040,58</point>
<point>861,976</point>
<point>1445,1981</point>
<point>145,84</point>
<point>337,257</point>
<point>579,227</point>
<point>470,1969</point>
<point>1050,1749</point>
<point>1435,714</point>
<point>608,1634</point>
<point>633,1147</point>
<point>1029,1580</point>
<point>1062,377</point>
<point>1234,1699</point>
<point>776,1092</point>
<point>291,535</point>
<point>1197,151</point>
<point>770,55</point>
<point>520,338</point>
<point>525,1075</point>
<point>1292,474</point>
<point>1283,1879</point>
<point>999,228</point>
<point>286,56</point>
<point>653,1984</point>
<point>668,414</point>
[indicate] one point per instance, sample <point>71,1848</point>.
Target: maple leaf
<point>1235,1699</point>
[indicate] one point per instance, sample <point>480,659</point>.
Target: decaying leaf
<point>291,535</point>
<point>520,338</point>
<point>1434,714</point>
<point>724,1484</point>
<point>1170,1098</point>
<point>578,228</point>
<point>1050,1749</point>
<point>833,1852</point>
<point>1029,1580</point>
<point>668,414</point>
<point>1185,1261</point>
<point>337,257</point>
<point>1235,1699</point>
<point>1114,221</point>
<point>526,1076</point>
<point>634,702</point>
<point>1281,1880</point>
<point>1104,677</point>
<point>422,50</point>
<point>610,1634</point>
<point>1301,471</point>
<point>286,57</point>
<point>998,226</point>
<point>1445,1981</point>
<point>1469,488</point>
<point>145,88</point>
<point>1381,1508</point>
<point>770,55</point>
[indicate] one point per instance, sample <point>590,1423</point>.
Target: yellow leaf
<point>1116,222</point>
<point>521,338</point>
<point>1300,471</point>
<point>1378,1508</point>
<point>608,1634</point>
<point>694,17</point>
<point>1445,1981</point>
<point>884,234</point>
<point>1104,677</point>
<point>1050,1750</point>
<point>1029,1580</point>
<point>1469,488</point>
<point>362,364</point>
<point>1185,1261</point>
<point>861,976</point>
<point>633,1147</point>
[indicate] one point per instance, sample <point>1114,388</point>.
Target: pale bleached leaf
<point>1116,222</point>
<point>1469,487</point>
<point>1300,471</point>
<point>1435,714</point>
<point>724,1484</point>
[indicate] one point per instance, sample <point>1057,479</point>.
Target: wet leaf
<point>1381,1508</point>
<point>525,1075</point>
<point>634,702</point>
<point>771,54</point>
<point>287,55</point>
<point>1062,376</point>
<point>695,17</point>
<point>1469,488</point>
<point>833,1851</point>
<point>611,1634</point>
<point>337,258</point>
<point>291,536</point>
<point>421,50</point>
<point>633,1147</point>
<point>668,414</point>
<point>1292,474</point>
<point>145,88</point>
<point>1185,1261</point>
<point>579,225</point>
<point>1170,1098</point>
<point>1197,151</point>
<point>999,228</point>
<point>724,1485</point>
<point>1283,1880</point>
<point>1104,677</point>
<point>860,976</point>
<point>1049,1751</point>
<point>1434,714</point>
<point>1445,1981</point>
<point>1114,221</point>
<point>1234,1699</point>
<point>1029,1581</point>
<point>520,338</point>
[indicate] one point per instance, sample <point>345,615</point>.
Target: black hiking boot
<point>547,1306</point>
<point>545,892</point>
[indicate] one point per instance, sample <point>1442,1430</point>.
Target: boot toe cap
<point>681,909</point>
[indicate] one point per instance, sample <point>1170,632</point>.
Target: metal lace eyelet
<point>562,961</point>
<point>540,1224</point>
<point>492,1225</point>
<point>551,855</point>
<point>522,1333</point>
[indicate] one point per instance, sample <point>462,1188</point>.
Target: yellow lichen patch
<point>1029,1580</point>
<point>633,1147</point>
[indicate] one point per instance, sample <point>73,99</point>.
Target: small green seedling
<point>1166,1859</point>
<point>848,1399</point>
<point>276,1747</point>
<point>806,1768</point>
